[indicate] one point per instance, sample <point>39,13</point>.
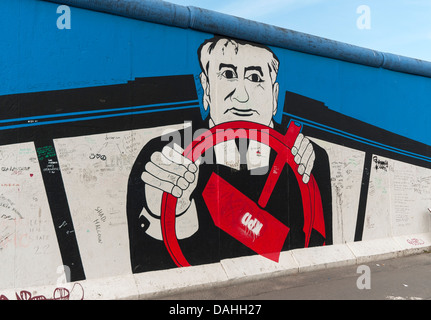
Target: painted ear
<point>275,89</point>
<point>206,87</point>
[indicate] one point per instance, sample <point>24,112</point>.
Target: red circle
<point>205,141</point>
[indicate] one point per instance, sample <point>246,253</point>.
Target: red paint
<point>58,294</point>
<point>279,163</point>
<point>169,204</point>
<point>241,218</point>
<point>311,199</point>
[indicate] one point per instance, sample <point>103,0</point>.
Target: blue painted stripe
<point>70,114</point>
<point>24,125</point>
<point>358,138</point>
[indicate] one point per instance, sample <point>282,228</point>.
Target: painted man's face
<point>239,86</point>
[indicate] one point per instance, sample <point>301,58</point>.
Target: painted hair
<point>206,48</point>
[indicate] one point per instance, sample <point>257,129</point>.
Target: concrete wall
<point>87,209</point>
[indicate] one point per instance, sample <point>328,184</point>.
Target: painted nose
<point>241,94</point>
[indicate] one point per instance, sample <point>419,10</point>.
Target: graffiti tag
<point>415,242</point>
<point>97,156</point>
<point>58,294</point>
<point>253,225</point>
<point>380,164</point>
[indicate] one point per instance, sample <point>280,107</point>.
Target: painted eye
<point>254,77</point>
<point>229,74</point>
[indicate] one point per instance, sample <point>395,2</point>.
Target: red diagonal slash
<point>279,163</point>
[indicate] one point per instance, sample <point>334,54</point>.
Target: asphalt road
<point>406,278</point>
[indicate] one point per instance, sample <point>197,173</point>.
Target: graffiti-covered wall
<point>129,146</point>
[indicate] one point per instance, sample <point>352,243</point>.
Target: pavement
<point>401,278</point>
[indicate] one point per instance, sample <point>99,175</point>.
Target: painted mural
<point>244,185</point>
<point>222,149</point>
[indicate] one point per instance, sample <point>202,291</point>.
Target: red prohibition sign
<point>311,199</point>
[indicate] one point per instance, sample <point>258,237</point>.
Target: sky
<point>401,27</point>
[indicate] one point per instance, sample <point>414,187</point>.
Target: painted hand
<point>304,156</point>
<point>169,171</point>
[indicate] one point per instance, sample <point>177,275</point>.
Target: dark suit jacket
<point>210,244</point>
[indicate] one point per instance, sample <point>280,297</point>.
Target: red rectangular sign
<point>243,219</point>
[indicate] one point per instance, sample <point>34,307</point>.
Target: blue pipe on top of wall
<point>204,20</point>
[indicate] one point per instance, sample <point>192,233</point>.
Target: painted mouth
<point>242,112</point>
